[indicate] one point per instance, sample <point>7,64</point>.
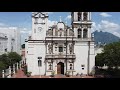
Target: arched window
<point>79,33</point>
<point>85,33</point>
<point>79,16</point>
<point>85,16</point>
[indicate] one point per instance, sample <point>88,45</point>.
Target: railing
<point>60,56</point>
<point>69,38</point>
<point>7,73</point>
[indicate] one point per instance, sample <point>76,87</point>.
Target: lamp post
<point>39,64</point>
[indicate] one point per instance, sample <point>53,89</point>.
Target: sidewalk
<point>20,74</point>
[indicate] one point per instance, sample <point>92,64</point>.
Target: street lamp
<point>39,64</point>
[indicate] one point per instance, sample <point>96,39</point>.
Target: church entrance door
<point>60,68</point>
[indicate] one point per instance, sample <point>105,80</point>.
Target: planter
<point>52,74</point>
<point>67,74</point>
<point>29,74</point>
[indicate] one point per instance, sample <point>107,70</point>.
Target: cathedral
<point>59,48</point>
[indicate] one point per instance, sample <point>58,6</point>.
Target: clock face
<point>39,29</point>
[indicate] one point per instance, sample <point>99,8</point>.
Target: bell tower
<point>81,24</point>
<point>84,45</point>
<point>39,25</point>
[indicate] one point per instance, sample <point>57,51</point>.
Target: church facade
<point>60,48</point>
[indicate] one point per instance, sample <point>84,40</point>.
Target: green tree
<point>4,60</point>
<point>110,55</point>
<point>100,60</point>
<point>2,67</point>
<point>13,57</point>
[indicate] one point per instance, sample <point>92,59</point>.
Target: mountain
<point>105,37</point>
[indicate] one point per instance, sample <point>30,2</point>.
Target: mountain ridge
<point>105,37</point>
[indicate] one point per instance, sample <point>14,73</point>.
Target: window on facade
<point>82,68</point>
<point>50,66</point>
<point>56,44</point>
<point>85,33</point>
<point>82,65</point>
<point>36,20</point>
<point>70,66</point>
<point>55,48</point>
<point>85,16</point>
<point>60,49</point>
<point>79,16</point>
<point>6,50</point>
<point>60,28</point>
<point>79,33</point>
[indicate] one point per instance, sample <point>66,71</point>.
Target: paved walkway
<point>20,74</point>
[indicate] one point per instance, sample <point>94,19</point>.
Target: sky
<point>102,21</point>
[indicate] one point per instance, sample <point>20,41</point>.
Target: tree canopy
<point>9,59</point>
<point>110,55</point>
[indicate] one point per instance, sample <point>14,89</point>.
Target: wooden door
<point>58,69</point>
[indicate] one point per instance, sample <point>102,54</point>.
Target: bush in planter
<point>29,74</point>
<point>68,74</point>
<point>52,73</point>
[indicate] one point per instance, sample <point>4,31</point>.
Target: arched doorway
<point>60,68</point>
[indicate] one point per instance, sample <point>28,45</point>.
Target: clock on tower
<point>39,23</point>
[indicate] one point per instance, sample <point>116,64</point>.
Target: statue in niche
<point>50,66</point>
<point>50,48</point>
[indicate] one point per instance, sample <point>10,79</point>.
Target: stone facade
<point>60,48</point>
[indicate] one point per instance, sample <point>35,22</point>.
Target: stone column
<point>20,65</point>
<point>82,32</point>
<point>82,16</point>
<point>9,76</point>
<point>90,15</point>
<point>53,32</point>
<point>13,68</point>
<point>47,48</point>
<point>17,66</point>
<point>68,49</point>
<point>88,33</point>
<point>67,32</point>
<point>3,74</point>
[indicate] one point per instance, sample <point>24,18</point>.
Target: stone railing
<point>60,56</point>
<point>8,73</point>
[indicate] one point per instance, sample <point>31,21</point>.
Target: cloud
<point>68,17</point>
<point>94,27</point>
<point>8,28</point>
<point>51,23</point>
<point>25,31</point>
<point>107,26</point>
<point>116,34</point>
<point>103,14</point>
<point>2,24</point>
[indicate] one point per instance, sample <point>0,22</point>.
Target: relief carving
<point>50,48</point>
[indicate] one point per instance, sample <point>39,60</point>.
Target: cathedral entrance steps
<point>59,76</point>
